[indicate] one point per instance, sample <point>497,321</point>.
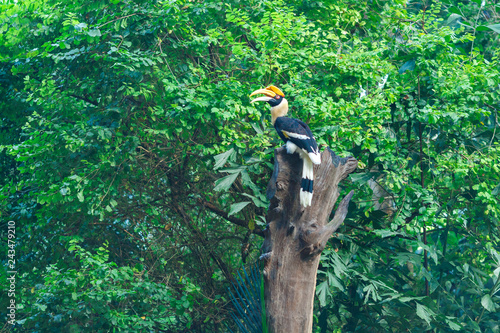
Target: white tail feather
<point>315,157</point>
<point>307,169</point>
<point>305,198</point>
<point>307,173</point>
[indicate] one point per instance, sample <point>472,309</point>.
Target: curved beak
<point>270,92</point>
<point>261,99</point>
<point>266,91</point>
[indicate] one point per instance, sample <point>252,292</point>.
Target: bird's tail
<point>306,186</point>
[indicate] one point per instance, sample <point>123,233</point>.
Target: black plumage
<point>298,127</point>
<point>297,136</point>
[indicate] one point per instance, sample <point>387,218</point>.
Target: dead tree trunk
<point>295,237</point>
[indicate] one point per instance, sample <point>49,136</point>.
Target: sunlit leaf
<point>224,183</point>
<point>221,159</point>
<point>237,207</point>
<point>488,303</point>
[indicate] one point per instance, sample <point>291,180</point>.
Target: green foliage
<point>96,295</point>
<point>434,151</point>
<point>128,123</point>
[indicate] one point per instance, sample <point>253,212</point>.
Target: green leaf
<point>252,160</point>
<point>482,28</point>
<point>454,10</point>
<point>487,303</point>
<point>496,190</point>
<point>233,170</point>
<point>80,196</point>
<point>453,18</point>
<point>466,25</point>
<point>363,177</point>
<point>408,299</point>
<point>224,183</point>
<point>386,233</point>
<point>334,282</point>
<point>322,291</point>
<point>425,313</point>
<point>371,291</point>
<point>221,159</point>
<point>235,208</point>
<point>257,128</point>
<point>94,33</point>
<point>258,202</point>
<point>269,44</point>
<point>494,27</point>
<point>452,324</point>
<point>80,26</point>
<point>407,66</point>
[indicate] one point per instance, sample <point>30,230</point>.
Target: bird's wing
<point>298,133</point>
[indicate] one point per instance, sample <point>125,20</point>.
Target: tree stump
<point>295,237</point>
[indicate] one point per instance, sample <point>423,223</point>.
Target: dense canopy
<point>135,168</point>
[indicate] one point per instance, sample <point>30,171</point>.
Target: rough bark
<point>295,237</point>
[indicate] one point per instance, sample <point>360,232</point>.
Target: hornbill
<point>297,136</point>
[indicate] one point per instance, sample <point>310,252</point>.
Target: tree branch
<point>314,242</point>
<point>237,221</point>
<point>189,223</point>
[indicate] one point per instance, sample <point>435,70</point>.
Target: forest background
<point>135,169</point>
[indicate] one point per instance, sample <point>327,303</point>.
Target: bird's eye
<point>278,97</point>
